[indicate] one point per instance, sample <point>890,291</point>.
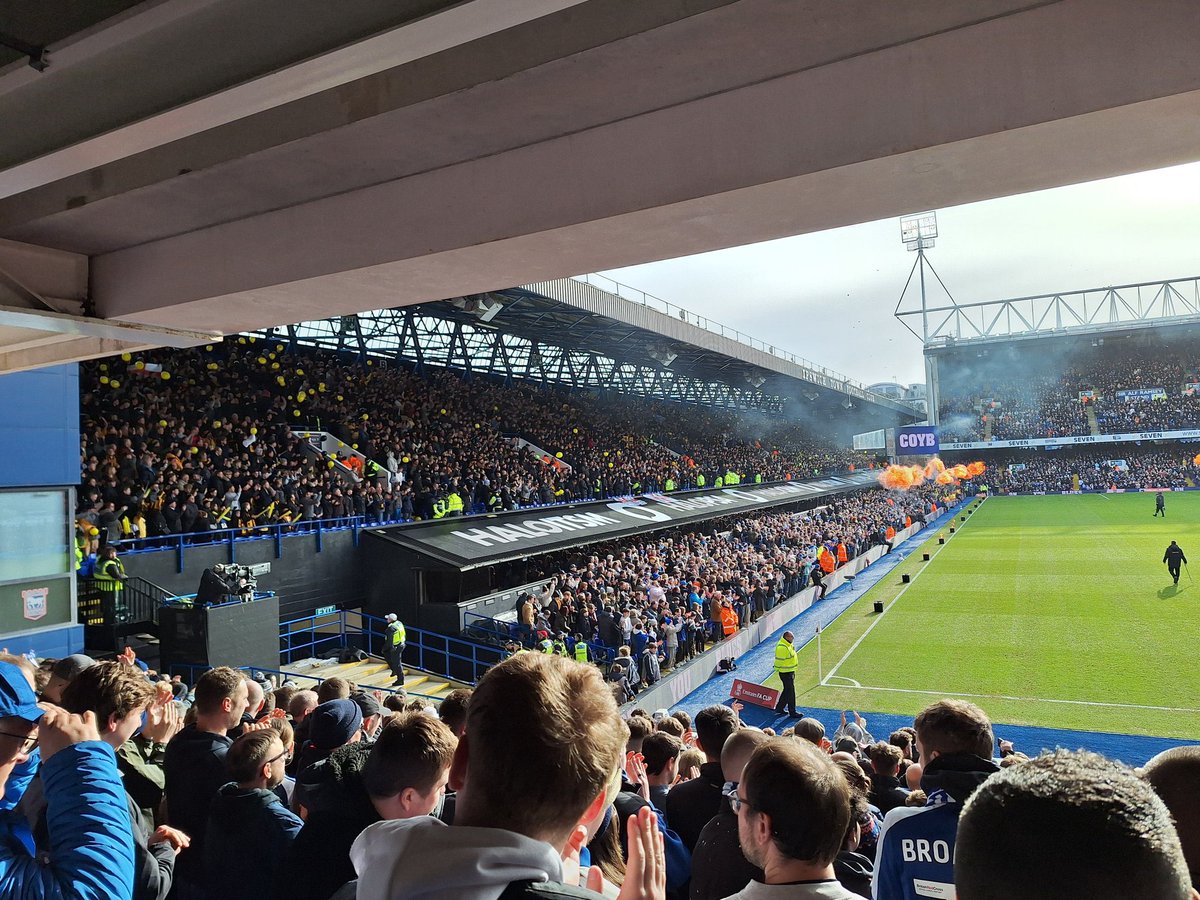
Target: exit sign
<point>324,610</point>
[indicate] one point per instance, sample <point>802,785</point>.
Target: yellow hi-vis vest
<point>398,634</point>
<point>581,651</point>
<point>106,582</point>
<point>786,657</point>
<point>454,503</point>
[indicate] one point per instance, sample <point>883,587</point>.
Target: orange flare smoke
<point>903,478</point>
<point>1197,459</point>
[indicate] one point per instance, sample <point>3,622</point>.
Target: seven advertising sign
<point>1179,434</point>
<point>916,440</point>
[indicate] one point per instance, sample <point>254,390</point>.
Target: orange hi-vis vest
<point>908,521</point>
<point>843,558</point>
<point>891,533</point>
<point>729,620</point>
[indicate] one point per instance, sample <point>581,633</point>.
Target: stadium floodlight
<point>918,231</point>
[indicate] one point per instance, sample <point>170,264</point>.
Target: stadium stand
<point>1063,387</point>
<point>1120,467</point>
<point>183,442</point>
<point>655,602</point>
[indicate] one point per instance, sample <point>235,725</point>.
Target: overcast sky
<point>1143,227</point>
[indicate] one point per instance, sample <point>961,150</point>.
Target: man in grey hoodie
<point>541,755</point>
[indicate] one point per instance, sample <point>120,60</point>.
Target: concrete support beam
<point>1055,94</point>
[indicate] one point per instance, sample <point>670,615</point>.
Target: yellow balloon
<point>476,424</point>
<point>574,431</point>
<point>295,412</point>
<point>354,446</point>
<point>443,412</point>
<point>302,396</point>
<point>330,464</point>
<point>216,423</point>
<point>254,431</point>
<point>212,367</point>
<point>253,339</point>
<point>365,417</point>
<point>139,365</point>
<point>208,347</point>
<point>195,449</point>
<point>299,371</point>
<point>321,387</point>
<point>370,362</point>
<point>274,365</point>
<point>125,357</point>
<point>162,423</point>
<point>606,453</point>
<point>610,465</point>
<point>558,455</point>
<point>339,396</point>
<point>103,367</point>
<point>115,383</point>
<point>262,360</point>
<point>166,376</point>
<point>104,379</point>
<point>241,340</point>
<point>279,380</point>
<point>272,355</point>
<point>405,459</point>
<point>279,347</point>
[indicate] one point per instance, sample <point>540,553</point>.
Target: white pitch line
<point>1183,709</point>
<point>862,637</point>
<point>852,683</point>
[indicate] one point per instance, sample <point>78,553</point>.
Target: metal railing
<point>108,616</point>
<point>455,658</point>
<point>501,631</point>
<point>634,295</point>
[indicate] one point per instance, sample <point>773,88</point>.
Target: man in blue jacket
<point>916,847</point>
<point>91,841</point>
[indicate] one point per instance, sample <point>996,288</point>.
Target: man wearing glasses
<point>91,841</point>
<point>793,809</point>
<point>249,829</point>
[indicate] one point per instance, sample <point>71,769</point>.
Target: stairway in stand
<point>373,673</point>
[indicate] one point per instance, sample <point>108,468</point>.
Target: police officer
<point>581,650</point>
<point>787,661</point>
<point>395,639</point>
<point>559,647</point>
<point>109,578</point>
<point>1174,558</point>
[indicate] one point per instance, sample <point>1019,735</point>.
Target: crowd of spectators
<point>178,442</point>
<point>1119,467</point>
<point>655,601</point>
<point>118,785</point>
<point>1018,393</point>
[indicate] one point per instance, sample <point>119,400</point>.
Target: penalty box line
<point>1181,709</point>
<point>879,618</point>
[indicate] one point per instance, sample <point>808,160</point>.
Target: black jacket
<point>249,832</point>
<point>886,792</point>
<point>691,804</point>
<point>719,868</point>
<point>338,810</point>
<point>194,765</point>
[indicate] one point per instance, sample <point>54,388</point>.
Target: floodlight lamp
<point>918,231</point>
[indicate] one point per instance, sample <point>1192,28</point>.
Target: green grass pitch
<point>1033,602</point>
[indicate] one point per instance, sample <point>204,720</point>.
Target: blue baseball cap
<point>16,696</point>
